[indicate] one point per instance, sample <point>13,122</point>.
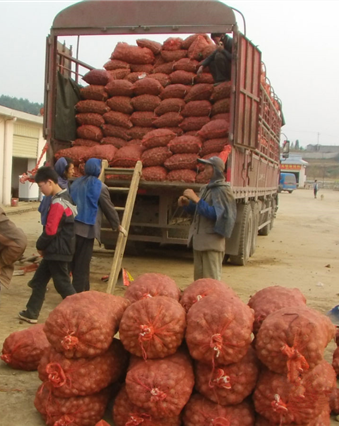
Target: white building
<point>21,143</point>
<point>296,165</point>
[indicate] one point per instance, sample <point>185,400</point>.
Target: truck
<point>255,116</point>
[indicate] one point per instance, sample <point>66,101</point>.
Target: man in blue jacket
<point>214,212</point>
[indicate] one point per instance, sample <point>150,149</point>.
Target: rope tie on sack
<point>145,335</point>
<point>216,343</point>
<point>279,407</point>
<point>137,419</point>
<point>7,358</point>
<point>220,421</point>
<point>69,342</point>
<point>147,296</point>
<point>157,395</point>
<point>296,363</point>
<point>221,380</point>
<point>199,297</point>
<point>56,374</point>
<point>65,421</point>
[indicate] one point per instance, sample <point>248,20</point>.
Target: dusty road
<point>301,251</point>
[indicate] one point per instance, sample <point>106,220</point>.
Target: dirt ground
<point>301,251</point>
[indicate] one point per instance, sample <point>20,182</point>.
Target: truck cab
<point>287,182</point>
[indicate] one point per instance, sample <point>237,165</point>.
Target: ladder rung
<point>123,171</point>
<point>118,189</point>
<point>119,209</point>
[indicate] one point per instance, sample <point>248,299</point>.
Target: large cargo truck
<point>255,115</point>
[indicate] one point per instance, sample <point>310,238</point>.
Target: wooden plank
<point>126,221</point>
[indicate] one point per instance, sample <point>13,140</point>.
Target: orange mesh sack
<point>116,132</point>
<point>154,174</point>
<point>120,104</point>
<point>282,402</point>
<point>153,327</point>
<point>185,144</point>
<point>322,420</point>
<point>138,132</point>
<point>201,412</point>
<point>334,401</point>
<point>154,46</point>
<point>158,137</point>
<point>23,349</point>
<point>83,325</point>
<point>127,156</point>
<point>271,299</point>
<point>90,118</point>
<point>221,107</point>
<point>197,109</point>
<point>82,376</point>
<point>119,88</point>
<point>85,142</point>
<point>117,118</point>
<point>214,129</point>
<point>170,105</point>
<point>125,413</point>
<point>196,49</point>
<point>76,153</point>
<point>155,156</point>
<point>98,107</point>
<point>145,102</point>
<point>164,67</point>
<point>143,118</point>
<point>193,123</point>
<point>230,384</point>
<point>115,64</point>
<point>74,411</point>
<point>182,77</point>
<point>97,77</point>
<point>163,78</point>
<point>199,289</point>
<point>186,64</point>
<point>162,387</point>
<point>133,54</point>
<point>213,145</point>
<point>147,86</point>
<point>204,77</point>
<point>94,92</point>
<point>219,329</point>
<point>221,91</point>
<point>173,55</point>
<point>175,91</point>
<point>182,175</point>
<point>151,285</point>
<point>170,119</point>
<point>199,92</point>
<point>119,74</point>
<point>103,152</point>
<point>297,338</point>
<point>110,140</point>
<point>181,161</point>
<point>88,131</point>
<point>172,43</point>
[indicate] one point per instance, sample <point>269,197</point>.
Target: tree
<point>21,104</point>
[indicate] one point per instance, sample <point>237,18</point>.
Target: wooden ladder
<point>126,218</point>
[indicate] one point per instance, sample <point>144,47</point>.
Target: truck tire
<point>256,214</point>
<point>246,236</point>
<point>267,217</point>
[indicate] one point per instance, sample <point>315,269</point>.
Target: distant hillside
<point>23,105</point>
<point>325,169</point>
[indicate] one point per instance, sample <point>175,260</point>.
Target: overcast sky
<point>298,39</point>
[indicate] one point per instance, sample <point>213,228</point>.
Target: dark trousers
<point>80,265</point>
<point>220,68</point>
<point>59,272</point>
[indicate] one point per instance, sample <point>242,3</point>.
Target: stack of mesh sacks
<point>83,361</point>
<point>149,104</point>
<point>295,382</point>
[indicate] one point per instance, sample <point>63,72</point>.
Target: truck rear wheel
<point>246,237</point>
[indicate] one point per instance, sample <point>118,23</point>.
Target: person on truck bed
<point>91,197</point>
<point>56,245</point>
<point>13,243</point>
<point>219,62</point>
<point>214,212</point>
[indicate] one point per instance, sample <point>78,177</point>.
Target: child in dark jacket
<point>56,244</point>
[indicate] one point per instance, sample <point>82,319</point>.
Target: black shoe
<point>25,316</point>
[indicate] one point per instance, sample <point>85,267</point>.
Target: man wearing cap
<point>214,212</point>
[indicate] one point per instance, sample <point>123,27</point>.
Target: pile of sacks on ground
<point>183,358</point>
<point>150,104</point>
